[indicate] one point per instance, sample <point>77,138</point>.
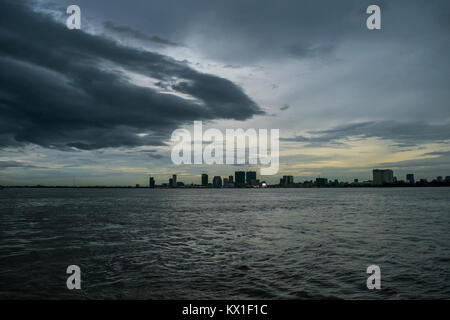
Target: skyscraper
<point>410,178</point>
<point>217,182</point>
<point>173,181</point>
<point>382,176</point>
<point>250,177</point>
<point>204,179</point>
<point>287,181</point>
<point>230,179</point>
<point>321,182</point>
<point>239,178</point>
<point>151,182</point>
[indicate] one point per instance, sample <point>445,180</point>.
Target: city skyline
<point>242,178</point>
<point>380,177</point>
<point>345,99</point>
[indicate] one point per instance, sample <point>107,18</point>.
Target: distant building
<point>204,179</point>
<point>410,178</point>
<point>447,178</point>
<point>440,179</point>
<point>355,180</point>
<point>382,176</point>
<point>227,183</point>
<point>239,178</point>
<point>250,177</point>
<point>287,181</point>
<point>151,182</point>
<point>174,181</point>
<point>137,185</point>
<point>320,182</point>
<point>217,182</point>
<point>171,182</point>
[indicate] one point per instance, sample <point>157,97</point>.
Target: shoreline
<point>199,187</point>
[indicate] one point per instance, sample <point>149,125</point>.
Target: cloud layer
<point>406,134</point>
<point>65,88</point>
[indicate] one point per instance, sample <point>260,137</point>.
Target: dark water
<point>203,244</point>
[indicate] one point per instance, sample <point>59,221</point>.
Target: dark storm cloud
<point>435,163</point>
<point>408,134</point>
<point>251,29</point>
<point>395,70</point>
<point>153,154</point>
<point>128,32</point>
<point>438,153</point>
<point>63,88</point>
<point>16,164</point>
<point>259,29</point>
<point>302,51</point>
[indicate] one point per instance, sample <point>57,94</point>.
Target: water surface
<point>225,244</point>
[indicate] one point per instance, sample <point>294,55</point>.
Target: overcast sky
<point>99,104</point>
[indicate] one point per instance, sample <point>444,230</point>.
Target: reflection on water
<point>229,244</point>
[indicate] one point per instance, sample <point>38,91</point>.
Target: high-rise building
<point>382,176</point>
<point>204,179</point>
<point>410,178</point>
<point>321,182</point>
<point>439,179</point>
<point>239,178</point>
<point>151,182</point>
<point>290,180</point>
<point>287,181</point>
<point>217,182</point>
<point>225,182</point>
<point>230,179</point>
<point>250,177</point>
<point>174,180</point>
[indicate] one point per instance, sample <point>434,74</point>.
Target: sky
<point>97,106</point>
